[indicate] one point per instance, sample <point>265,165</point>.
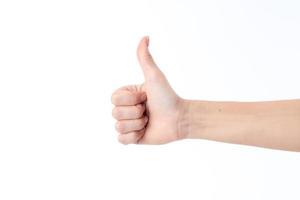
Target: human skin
<point>152,113</point>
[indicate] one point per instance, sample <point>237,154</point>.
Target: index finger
<point>127,98</point>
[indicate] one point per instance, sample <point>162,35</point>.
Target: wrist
<point>197,118</point>
<point>184,119</point>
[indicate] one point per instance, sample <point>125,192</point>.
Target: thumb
<point>145,59</point>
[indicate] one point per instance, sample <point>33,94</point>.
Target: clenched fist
<point>148,113</point>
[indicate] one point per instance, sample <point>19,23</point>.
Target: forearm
<point>273,124</point>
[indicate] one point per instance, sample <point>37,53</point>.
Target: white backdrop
<point>60,61</point>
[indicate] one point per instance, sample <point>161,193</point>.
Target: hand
<point>148,113</point>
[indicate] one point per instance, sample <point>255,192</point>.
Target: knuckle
<point>153,74</point>
<point>141,123</point>
<point>116,113</point>
<point>139,111</point>
<point>119,127</point>
<point>114,98</point>
<point>135,99</point>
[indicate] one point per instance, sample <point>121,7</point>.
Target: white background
<point>61,60</point>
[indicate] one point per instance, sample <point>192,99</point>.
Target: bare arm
<point>271,124</point>
<point>152,113</point>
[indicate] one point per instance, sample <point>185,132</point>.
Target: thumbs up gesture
<point>149,113</point>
